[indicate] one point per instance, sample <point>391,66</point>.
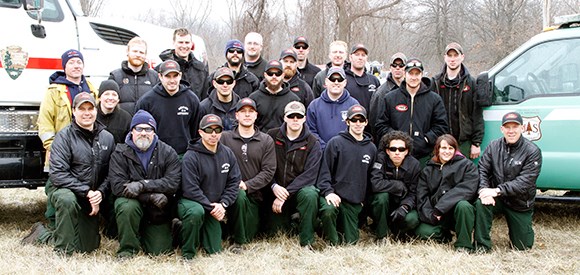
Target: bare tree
<point>351,10</point>
<point>92,7</point>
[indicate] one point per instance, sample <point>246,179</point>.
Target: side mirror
<point>513,93</point>
<point>483,90</point>
<point>33,5</point>
<point>38,30</point>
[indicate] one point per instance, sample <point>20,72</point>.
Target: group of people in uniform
<point>178,157</point>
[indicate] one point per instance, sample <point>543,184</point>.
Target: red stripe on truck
<point>42,63</point>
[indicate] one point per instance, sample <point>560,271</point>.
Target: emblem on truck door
<point>532,130</point>
<point>14,60</point>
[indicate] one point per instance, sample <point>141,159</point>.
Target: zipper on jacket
<point>411,121</point>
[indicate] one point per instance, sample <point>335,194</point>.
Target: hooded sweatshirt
<point>270,106</point>
<point>195,73</point>
<point>59,77</point>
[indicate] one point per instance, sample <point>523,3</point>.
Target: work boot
<point>36,231</point>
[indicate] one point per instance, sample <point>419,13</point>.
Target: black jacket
<point>388,178</point>
<point>376,106</point>
<point>270,106</point>
<point>118,122</point>
<point>346,167</point>
<point>212,105</point>
<point>423,117</point>
<point>246,82</point>
<point>79,159</point>
<point>257,68</point>
<point>308,72</point>
<point>300,88</point>
<point>514,169</point>
<point>133,85</point>
<point>209,177</point>
<point>442,186</point>
<point>362,87</point>
<point>464,115</point>
<point>297,161</point>
<point>194,72</point>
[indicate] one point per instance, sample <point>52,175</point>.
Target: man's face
<point>170,81</point>
<point>302,51</point>
<point>246,116</point>
<point>273,79</point>
<point>224,85</point>
<point>182,45</point>
<point>356,125</point>
<point>142,136</point>
<point>290,65</point>
<point>85,115</point>
<point>337,55</point>
<point>295,121</point>
<point>453,59</point>
<point>253,47</point>
<point>74,68</point>
<point>397,151</point>
<point>358,59</point>
<point>512,132</point>
<point>213,137</point>
<point>109,99</point>
<point>136,54</point>
<point>413,78</point>
<point>234,56</point>
<point>397,69</point>
<point>335,84</point>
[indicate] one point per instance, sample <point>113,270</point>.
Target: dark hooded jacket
<point>133,85</point>
<point>118,122</point>
<point>194,72</point>
<point>226,111</point>
<point>300,88</point>
<point>257,68</point>
<point>270,106</point>
<point>362,87</point>
<point>376,107</point>
<point>308,72</point>
<point>388,178</point>
<point>59,77</point>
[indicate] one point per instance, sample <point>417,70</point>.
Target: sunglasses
<point>400,149</point>
<point>400,65</point>
<point>276,73</point>
<point>293,116</point>
<point>229,81</point>
<point>234,50</point>
<point>141,129</point>
<point>209,130</point>
<point>355,119</point>
<point>334,79</point>
<point>414,64</point>
<point>303,47</point>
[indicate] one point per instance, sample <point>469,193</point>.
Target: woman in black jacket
<point>445,192</point>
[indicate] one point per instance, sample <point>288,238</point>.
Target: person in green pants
<point>298,157</point>
<point>508,171</point>
<point>446,190</point>
<point>144,174</point>
<point>344,177</point>
<point>209,184</point>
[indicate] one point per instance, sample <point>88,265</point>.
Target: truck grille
<point>18,122</point>
<point>113,35</point>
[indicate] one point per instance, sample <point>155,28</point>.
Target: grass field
<point>556,251</point>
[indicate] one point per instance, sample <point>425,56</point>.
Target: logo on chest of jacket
<point>303,148</point>
<point>366,159</point>
<point>225,168</point>
<point>372,88</point>
<point>279,143</point>
<point>125,80</point>
<point>467,88</point>
<point>182,111</point>
<point>402,107</point>
<point>295,89</point>
<point>343,115</point>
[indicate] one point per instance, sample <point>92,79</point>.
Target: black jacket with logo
<point>194,72</point>
<point>385,175</point>
<point>270,106</point>
<point>300,88</point>
<point>376,107</point>
<point>308,72</point>
<point>226,111</point>
<point>362,87</point>
<point>133,85</point>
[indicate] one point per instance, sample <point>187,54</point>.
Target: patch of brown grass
<point>557,228</point>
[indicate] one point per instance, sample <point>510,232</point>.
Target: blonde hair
<point>137,41</point>
<point>338,43</point>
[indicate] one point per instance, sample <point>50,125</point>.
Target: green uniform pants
<point>343,218</point>
<point>461,222</point>
<point>198,227</point>
<point>382,207</point>
<point>75,230</point>
<point>136,233</point>
<point>244,218</point>
<point>50,212</point>
<point>519,224</point>
<point>305,201</point>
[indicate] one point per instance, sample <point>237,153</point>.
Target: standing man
<point>298,157</point>
<point>134,77</point>
<point>253,59</point>
<point>414,109</point>
<point>272,97</point>
<point>508,171</point>
<point>209,184</point>
<point>344,177</point>
<point>291,76</point>
<point>246,82</point>
<point>360,83</point>
<point>174,106</point>
<point>306,69</point>
<point>457,89</point>
<point>194,72</point>
<point>110,114</point>
<point>79,165</point>
<point>222,102</point>
<point>337,54</point>
<point>256,157</point>
<point>144,174</point>
<point>326,115</point>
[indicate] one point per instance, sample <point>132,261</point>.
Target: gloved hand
<point>399,213</point>
<point>158,199</point>
<point>132,189</point>
<point>399,188</point>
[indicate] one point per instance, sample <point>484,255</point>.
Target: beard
<point>135,62</point>
<point>289,73</point>
<point>234,63</point>
<point>143,143</point>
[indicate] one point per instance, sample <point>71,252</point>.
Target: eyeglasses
<point>234,50</point>
<point>399,65</point>
<point>414,64</point>
<point>334,79</point>
<point>209,130</point>
<point>293,116</point>
<point>303,47</point>
<point>228,81</point>
<point>361,120</point>
<point>400,149</point>
<point>141,129</point>
<point>276,73</point>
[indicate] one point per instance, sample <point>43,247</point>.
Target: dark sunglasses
<point>276,73</point>
<point>229,81</point>
<point>141,129</point>
<point>400,65</point>
<point>400,149</point>
<point>355,119</point>
<point>414,64</point>
<point>234,50</point>
<point>293,116</point>
<point>334,79</point>
<point>209,130</point>
<point>298,47</point>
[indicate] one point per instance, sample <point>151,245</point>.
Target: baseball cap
<point>288,52</point>
<point>454,46</point>
<point>414,63</point>
<point>359,46</point>
<point>210,120</point>
<point>83,97</point>
<point>273,64</point>
<point>335,70</point>
<point>399,55</point>
<point>169,66</point>
<point>223,71</point>
<point>512,117</point>
<point>300,40</point>
<point>356,109</point>
<point>246,101</point>
<point>294,107</point>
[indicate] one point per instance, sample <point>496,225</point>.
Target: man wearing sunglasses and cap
<point>222,102</point>
<point>210,180</point>
<point>307,70</point>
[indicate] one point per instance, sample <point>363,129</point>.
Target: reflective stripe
<point>46,136</point>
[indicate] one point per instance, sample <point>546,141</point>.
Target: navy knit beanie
<point>234,43</point>
<point>108,85</point>
<point>66,56</point>
<point>143,117</point>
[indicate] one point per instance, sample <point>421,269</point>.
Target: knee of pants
<point>193,214</point>
<point>63,197</point>
<point>381,198</point>
<point>242,198</point>
<point>307,194</point>
<point>127,206</point>
<point>464,207</point>
<point>426,231</point>
<point>329,213</point>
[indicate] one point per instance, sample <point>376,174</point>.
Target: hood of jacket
<point>285,89</point>
<point>160,90</point>
<point>129,71</point>
<point>366,137</point>
<point>345,95</point>
<point>424,88</point>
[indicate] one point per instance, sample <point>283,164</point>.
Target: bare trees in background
<point>92,7</point>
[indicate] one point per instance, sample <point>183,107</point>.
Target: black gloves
<point>399,188</point>
<point>158,199</point>
<point>399,213</point>
<point>132,189</point>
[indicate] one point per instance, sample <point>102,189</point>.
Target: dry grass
<point>557,230</point>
